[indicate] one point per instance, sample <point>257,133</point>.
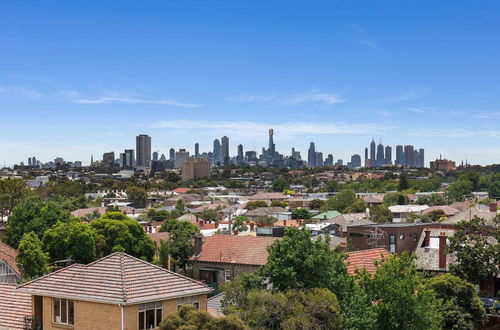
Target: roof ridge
<point>122,284</point>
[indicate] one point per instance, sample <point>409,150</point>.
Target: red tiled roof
<point>181,190</point>
<point>8,255</point>
<point>365,259</point>
<point>248,250</point>
<point>288,223</point>
<point>14,305</point>
<point>117,278</point>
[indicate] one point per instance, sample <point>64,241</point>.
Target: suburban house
<point>9,270</point>
<point>350,219</point>
<point>14,306</point>
<point>326,216</point>
<point>365,259</point>
<point>223,257</point>
<point>402,212</point>
<point>396,237</point>
<point>116,292</point>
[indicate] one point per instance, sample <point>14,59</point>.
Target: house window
<point>228,275</point>
<point>150,315</point>
<point>355,235</point>
<point>392,243</point>
<point>63,311</point>
<point>193,300</point>
<point>402,236</point>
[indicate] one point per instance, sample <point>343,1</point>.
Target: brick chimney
<point>493,207</point>
<point>427,239</point>
<point>442,250</point>
<point>343,246</point>
<point>252,225</point>
<point>216,224</point>
<point>198,244</point>
<point>284,223</point>
<point>202,223</point>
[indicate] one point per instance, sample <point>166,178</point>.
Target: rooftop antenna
<point>376,237</point>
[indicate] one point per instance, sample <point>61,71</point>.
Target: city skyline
<point>345,75</point>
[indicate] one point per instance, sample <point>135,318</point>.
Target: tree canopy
<point>32,215</point>
<point>31,256</point>
<point>188,318</point>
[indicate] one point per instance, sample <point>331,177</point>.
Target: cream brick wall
<point>97,316</point>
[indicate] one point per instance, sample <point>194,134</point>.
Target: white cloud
<point>453,133</point>
<point>250,129</point>
<point>364,38</point>
<point>21,92</point>
<point>311,96</point>
<point>114,97</point>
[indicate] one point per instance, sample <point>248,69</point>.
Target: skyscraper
<point>311,155</point>
<point>172,154</point>
<point>366,154</point>
<point>421,160</point>
<point>380,155</point>
<point>400,156</point>
<point>224,151</point>
<point>217,151</point>
<point>239,158</point>
<point>271,150</point>
<point>372,151</point>
<point>196,150</point>
<point>129,160</point>
<point>143,150</point>
<point>108,159</point>
<point>155,155</point>
<point>409,156</point>
<point>180,157</point>
<point>388,155</point>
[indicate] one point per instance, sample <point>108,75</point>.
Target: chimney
<point>343,246</point>
<point>442,250</point>
<point>202,223</point>
<point>198,244</point>
<point>427,239</point>
<point>284,223</point>
<point>252,225</point>
<point>493,207</point>
<point>216,224</point>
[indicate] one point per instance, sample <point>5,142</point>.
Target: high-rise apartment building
<point>129,160</point>
<point>409,156</point>
<point>224,154</point>
<point>240,157</point>
<point>143,150</point>
<point>216,153</point>
<point>196,150</point>
<point>372,151</point>
<point>380,161</point>
<point>195,168</point>
<point>311,155</point>
<point>155,155</point>
<point>108,159</point>
<point>181,157</point>
<point>171,155</point>
<point>388,155</point>
<point>400,156</point>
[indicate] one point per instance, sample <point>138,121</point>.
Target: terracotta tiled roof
<point>248,250</point>
<point>182,190</point>
<point>14,305</point>
<point>117,278</point>
<point>448,210</point>
<point>268,196</point>
<point>8,255</point>
<point>365,259</point>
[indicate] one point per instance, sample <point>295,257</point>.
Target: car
<point>490,305</point>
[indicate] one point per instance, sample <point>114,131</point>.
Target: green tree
<point>32,215</point>
<point>432,200</point>
<point>380,214</point>
<point>31,256</point>
<point>115,215</point>
<point>280,185</point>
<point>295,309</point>
<point>332,186</point>
<point>209,215</point>
<point>494,189</point>
<point>436,215</point>
<point>181,241</point>
<point>396,198</point>
<point>458,302</point>
<point>301,213</point>
<point>236,291</point>
<point>344,202</point>
<point>255,205</point>
<point>400,299</point>
<point>73,239</point>
<point>137,196</point>
<point>477,255</point>
<point>316,204</point>
<point>122,236</point>
<point>188,318</point>
<point>473,177</point>
<point>277,203</point>
<point>265,221</point>
<point>404,182</point>
<point>180,206</point>
<point>164,253</point>
<point>12,192</point>
<point>240,223</point>
<point>459,190</point>
<point>174,224</point>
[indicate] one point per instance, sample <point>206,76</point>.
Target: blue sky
<point>81,77</point>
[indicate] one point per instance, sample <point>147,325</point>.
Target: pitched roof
<point>117,278</point>
<point>351,219</point>
<point>264,211</point>
<point>365,259</point>
<point>14,305</point>
<point>327,215</point>
<point>8,255</point>
<point>267,196</point>
<point>448,210</point>
<point>182,190</point>
<point>249,250</point>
